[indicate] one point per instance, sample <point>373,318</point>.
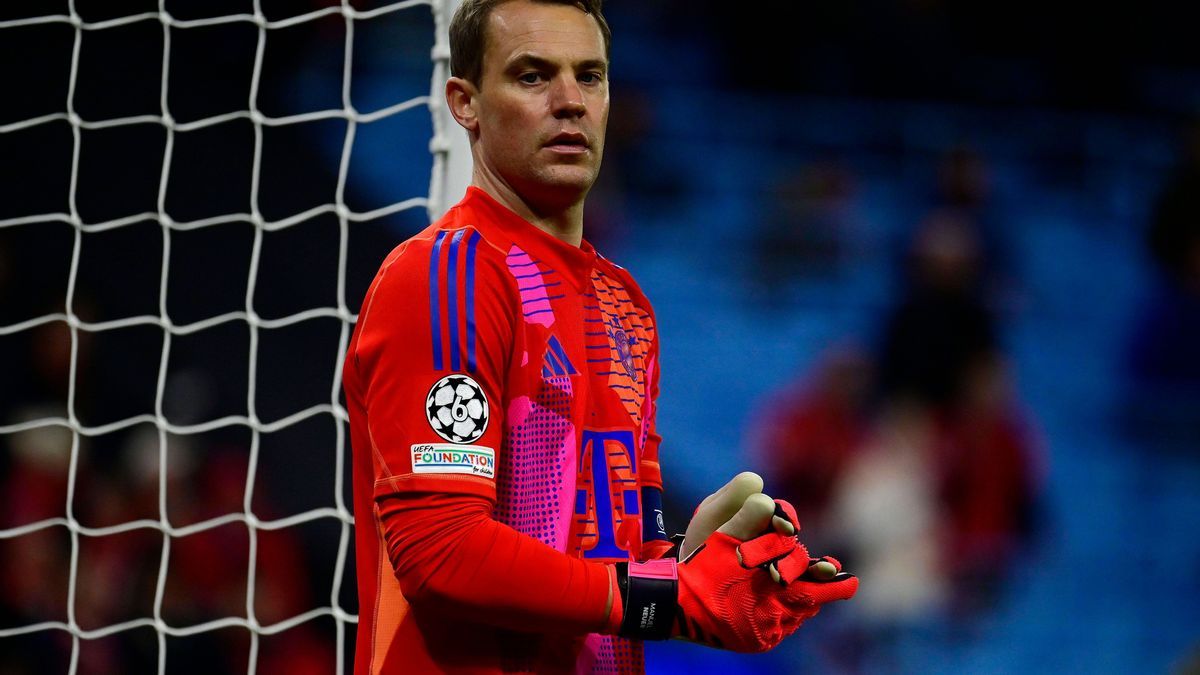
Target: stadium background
<point>788,183</point>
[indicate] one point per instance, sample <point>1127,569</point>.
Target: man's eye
<point>591,78</point>
<point>530,78</point>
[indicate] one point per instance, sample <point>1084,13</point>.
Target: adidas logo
<point>555,362</point>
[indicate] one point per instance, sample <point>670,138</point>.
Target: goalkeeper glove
<point>716,510</point>
<point>721,507</point>
<point>721,594</point>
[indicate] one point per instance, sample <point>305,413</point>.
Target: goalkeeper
<point>502,383</point>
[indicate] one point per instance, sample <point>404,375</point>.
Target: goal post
<point>48,447</point>
<point>451,142</point>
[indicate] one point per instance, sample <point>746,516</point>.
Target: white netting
<point>248,317</point>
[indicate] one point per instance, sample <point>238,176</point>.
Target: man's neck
<point>564,223</point>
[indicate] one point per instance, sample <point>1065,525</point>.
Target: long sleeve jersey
<point>501,386</point>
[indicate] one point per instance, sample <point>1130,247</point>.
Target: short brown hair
<point>468,33</point>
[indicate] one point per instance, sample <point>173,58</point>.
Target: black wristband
<point>649,594</point>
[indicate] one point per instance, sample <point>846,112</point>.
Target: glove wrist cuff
<point>649,593</point>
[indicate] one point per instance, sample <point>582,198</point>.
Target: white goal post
<point>450,175</point>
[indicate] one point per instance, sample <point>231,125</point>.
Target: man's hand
<point>743,581</point>
<point>747,596</point>
<point>719,509</point>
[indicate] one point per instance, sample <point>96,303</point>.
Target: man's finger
<point>822,570</point>
<point>842,587</point>
<point>785,522</point>
<point>718,508</point>
<point>750,521</point>
<point>782,526</point>
<point>741,480</point>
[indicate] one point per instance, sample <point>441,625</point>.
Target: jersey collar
<point>573,262</point>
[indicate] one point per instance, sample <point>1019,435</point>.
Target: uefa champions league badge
<point>457,409</point>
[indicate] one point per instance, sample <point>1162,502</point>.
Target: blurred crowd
<point>1163,359</point>
<point>911,452</point>
<point>96,581</point>
<point>912,456</point>
<point>116,577</point>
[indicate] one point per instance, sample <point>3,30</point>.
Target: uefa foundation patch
<point>475,460</point>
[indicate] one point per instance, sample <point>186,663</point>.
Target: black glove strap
<point>676,544</point>
<point>649,593</point>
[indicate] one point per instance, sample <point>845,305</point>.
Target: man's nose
<point>567,98</point>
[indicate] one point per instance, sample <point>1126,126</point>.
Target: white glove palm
<point>739,509</point>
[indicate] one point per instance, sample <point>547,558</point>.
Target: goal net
<point>193,198</point>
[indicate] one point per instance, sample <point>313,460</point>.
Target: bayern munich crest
<point>624,350</point>
<point>457,409</point>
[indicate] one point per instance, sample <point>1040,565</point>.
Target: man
<point>501,384</point>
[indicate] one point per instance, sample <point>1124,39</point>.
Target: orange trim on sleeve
<point>651,474</point>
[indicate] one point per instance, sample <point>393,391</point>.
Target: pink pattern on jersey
<point>519,410</point>
<point>533,489</point>
<point>535,302</point>
<point>610,655</point>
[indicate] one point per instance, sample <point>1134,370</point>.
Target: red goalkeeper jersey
<point>500,383</point>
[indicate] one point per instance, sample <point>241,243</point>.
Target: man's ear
<point>460,96</point>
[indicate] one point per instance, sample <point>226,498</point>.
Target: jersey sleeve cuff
<point>617,612</point>
<point>651,474</point>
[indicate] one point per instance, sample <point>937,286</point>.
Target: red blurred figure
<point>821,425</point>
<point>988,483</point>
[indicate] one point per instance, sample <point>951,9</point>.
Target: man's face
<point>542,103</point>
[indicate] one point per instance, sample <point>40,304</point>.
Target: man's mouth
<point>568,142</point>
